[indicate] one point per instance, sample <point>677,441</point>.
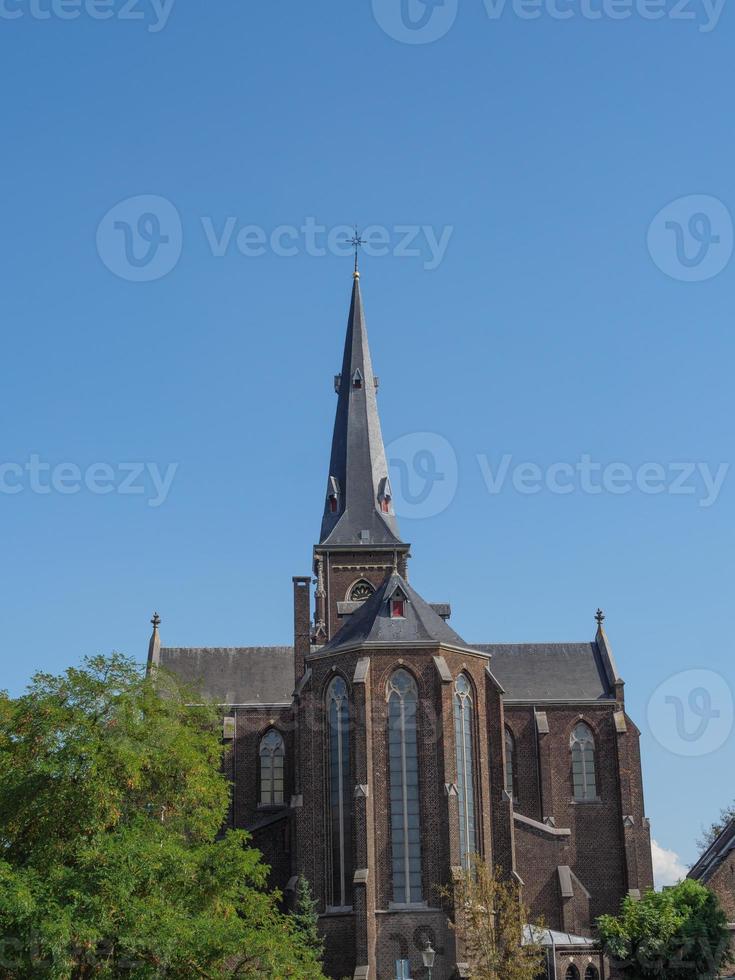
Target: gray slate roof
<point>235,675</point>
<point>548,671</point>
<point>358,461</point>
<point>265,675</point>
<point>372,623</point>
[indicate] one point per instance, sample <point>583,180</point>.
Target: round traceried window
<point>361,591</point>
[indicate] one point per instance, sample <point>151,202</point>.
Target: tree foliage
<point>491,921</point>
<point>112,861</point>
<point>306,918</point>
<point>680,932</point>
<point>710,835</point>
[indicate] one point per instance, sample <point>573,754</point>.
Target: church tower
<point>359,543</point>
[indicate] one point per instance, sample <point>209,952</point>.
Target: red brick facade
<point>604,844</point>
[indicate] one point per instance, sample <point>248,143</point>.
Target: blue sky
<point>558,324</point>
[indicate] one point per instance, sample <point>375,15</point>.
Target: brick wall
<point>722,884</point>
<point>342,569</point>
<point>596,851</point>
<point>242,764</point>
<point>600,851</point>
<point>403,935</point>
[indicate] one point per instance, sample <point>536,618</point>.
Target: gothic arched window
<point>582,744</point>
<point>340,801</point>
<point>591,973</point>
<point>463,727</point>
<point>404,788</point>
<point>511,770</point>
<point>572,972</point>
<point>272,758</point>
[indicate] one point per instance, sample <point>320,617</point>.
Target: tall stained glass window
<point>404,788</point>
<point>463,728</point>
<point>340,800</point>
<point>272,757</point>
<point>511,771</point>
<point>584,780</point>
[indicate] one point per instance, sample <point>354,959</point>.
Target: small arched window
<point>584,780</point>
<point>272,758</point>
<point>591,973</point>
<point>403,699</point>
<point>511,770</point>
<point>464,742</point>
<point>572,972</point>
<point>340,803</point>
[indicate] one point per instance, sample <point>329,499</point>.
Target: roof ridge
<point>254,646</point>
<point>541,643</point>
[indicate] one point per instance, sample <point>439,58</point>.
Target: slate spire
<point>358,507</point>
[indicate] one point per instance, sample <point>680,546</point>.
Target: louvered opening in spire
<point>361,512</point>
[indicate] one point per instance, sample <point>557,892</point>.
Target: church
<point>382,750</point>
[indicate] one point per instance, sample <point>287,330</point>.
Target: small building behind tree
<point>716,870</point>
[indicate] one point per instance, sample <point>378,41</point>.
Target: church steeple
<point>358,509</point>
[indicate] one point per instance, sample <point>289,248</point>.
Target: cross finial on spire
<point>356,241</point>
<point>600,618</point>
<point>156,621</point>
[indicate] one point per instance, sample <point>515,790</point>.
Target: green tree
<point>306,918</point>
<point>491,920</point>
<point>680,932</point>
<point>112,861</point>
